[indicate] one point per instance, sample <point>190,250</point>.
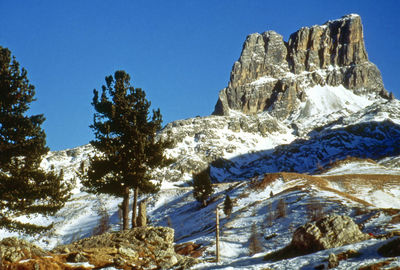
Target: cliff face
<point>271,74</point>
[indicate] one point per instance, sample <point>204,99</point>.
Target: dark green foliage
<point>202,186</point>
<point>125,141</point>
<point>24,187</point>
<point>228,206</point>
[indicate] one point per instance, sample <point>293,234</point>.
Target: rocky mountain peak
<point>272,74</point>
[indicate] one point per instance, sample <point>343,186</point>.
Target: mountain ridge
<point>271,74</point>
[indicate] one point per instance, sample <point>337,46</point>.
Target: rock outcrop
<point>13,249</point>
<point>271,74</point>
<point>329,232</point>
<point>139,248</point>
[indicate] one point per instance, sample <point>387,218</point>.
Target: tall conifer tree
<point>125,142</point>
<point>24,187</point>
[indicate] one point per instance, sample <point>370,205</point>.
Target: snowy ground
<point>362,197</point>
<point>176,206</point>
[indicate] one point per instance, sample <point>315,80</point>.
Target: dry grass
<point>347,255</point>
<point>349,182</point>
<point>349,159</point>
<point>377,181</point>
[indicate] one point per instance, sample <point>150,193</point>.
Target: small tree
<point>315,209</point>
<point>202,186</point>
<point>281,209</point>
<point>126,143</point>
<point>228,206</point>
<point>25,188</point>
<point>270,215</point>
<point>104,222</point>
<point>254,242</point>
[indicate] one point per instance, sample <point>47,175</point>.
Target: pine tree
<point>228,206</point>
<point>25,188</point>
<point>125,142</point>
<point>202,186</point>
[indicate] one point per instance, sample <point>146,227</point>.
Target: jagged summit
<point>272,75</point>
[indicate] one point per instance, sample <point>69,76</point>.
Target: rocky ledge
<point>139,248</point>
<point>272,74</point>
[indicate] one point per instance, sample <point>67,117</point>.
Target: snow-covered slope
<point>347,137</point>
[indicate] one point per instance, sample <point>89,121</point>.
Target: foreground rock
<point>142,247</point>
<point>139,248</point>
<point>329,232</point>
<point>13,249</point>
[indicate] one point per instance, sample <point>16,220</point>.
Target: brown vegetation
<point>340,162</point>
<point>189,249</point>
<point>379,266</point>
<point>349,182</point>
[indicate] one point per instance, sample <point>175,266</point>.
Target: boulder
<point>328,232</point>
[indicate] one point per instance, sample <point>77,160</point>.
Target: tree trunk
<point>125,209</point>
<point>134,208</point>
<point>142,216</point>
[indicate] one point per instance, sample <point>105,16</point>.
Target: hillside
<point>306,122</point>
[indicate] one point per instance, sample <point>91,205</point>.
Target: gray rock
<point>139,246</point>
<point>271,74</point>
<point>328,232</point>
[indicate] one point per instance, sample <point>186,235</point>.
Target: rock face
<point>329,232</point>
<point>271,74</point>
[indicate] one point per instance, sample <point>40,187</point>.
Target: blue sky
<point>180,52</point>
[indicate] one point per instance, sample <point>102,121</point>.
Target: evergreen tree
<point>25,188</point>
<point>125,142</point>
<point>202,187</point>
<point>228,206</point>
